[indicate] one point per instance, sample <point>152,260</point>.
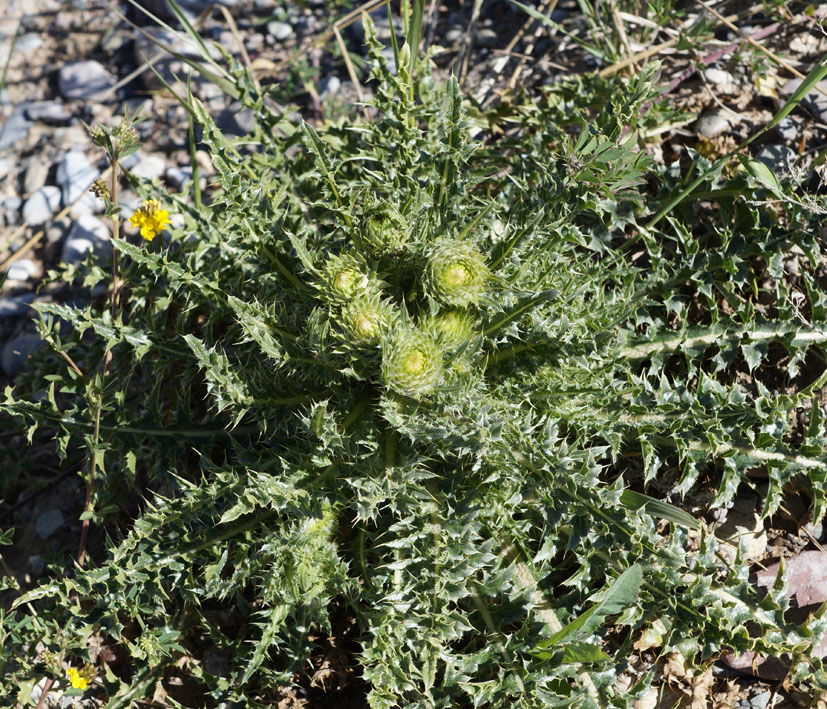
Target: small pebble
<point>487,38</point>
<point>760,700</point>
<point>149,167</point>
<point>74,176</point>
<point>719,77</point>
<point>37,564</point>
<point>87,234</point>
<point>41,205</point>
<point>23,269</point>
<point>51,112</point>
<point>48,523</point>
<point>329,86</point>
<point>16,305</point>
<point>10,209</point>
<point>178,176</point>
<point>16,351</point>
<point>789,128</point>
<point>711,124</point>
<point>779,158</point>
<point>279,30</point>
<point>29,42</point>
<point>15,129</point>
<point>84,80</point>
<point>454,34</point>
<point>35,177</point>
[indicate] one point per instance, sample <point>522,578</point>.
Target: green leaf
<point>763,174</point>
<point>657,508</point>
<point>619,596</point>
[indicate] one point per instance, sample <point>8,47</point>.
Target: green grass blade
<point>662,510</point>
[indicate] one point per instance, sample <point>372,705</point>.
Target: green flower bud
<point>457,273</point>
<point>384,231</point>
<point>366,320</point>
<point>452,328</point>
<point>345,278</point>
<point>412,363</point>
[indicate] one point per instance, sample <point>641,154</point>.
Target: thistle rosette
<point>384,230</point>
<point>457,273</point>
<point>412,363</point>
<point>365,320</point>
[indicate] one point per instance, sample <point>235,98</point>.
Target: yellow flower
<point>77,680</point>
<point>150,218</point>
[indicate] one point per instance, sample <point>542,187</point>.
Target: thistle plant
<point>450,418</point>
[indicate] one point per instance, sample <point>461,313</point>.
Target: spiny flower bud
<point>384,231</point>
<point>100,189</point>
<point>457,273</point>
<point>345,277</point>
<point>452,328</point>
<point>365,320</point>
<point>412,363</point>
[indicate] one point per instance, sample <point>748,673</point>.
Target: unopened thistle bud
<point>452,328</point>
<point>412,363</point>
<point>457,273</point>
<point>345,278</point>
<point>100,189</point>
<point>366,320</point>
<point>384,231</point>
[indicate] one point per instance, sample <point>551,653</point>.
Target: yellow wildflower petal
<point>76,679</point>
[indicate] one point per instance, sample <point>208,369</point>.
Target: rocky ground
<point>73,64</point>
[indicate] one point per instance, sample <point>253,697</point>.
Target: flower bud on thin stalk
<point>457,273</point>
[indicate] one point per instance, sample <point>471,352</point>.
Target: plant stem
<point>107,358</point>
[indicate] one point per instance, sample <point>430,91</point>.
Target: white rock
<point>84,80</point>
<point>35,177</point>
<point>279,30</point>
<point>41,205</point>
<point>149,167</point>
<point>74,176</point>
<point>329,87</point>
<point>719,77</point>
<point>10,209</point>
<point>711,124</point>
<point>23,269</point>
<point>15,129</point>
<point>6,166</point>
<point>87,234</point>
<point>28,42</point>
